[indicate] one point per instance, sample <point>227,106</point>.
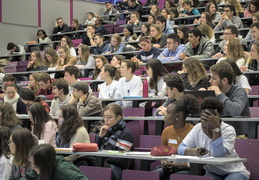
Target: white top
<point>240,62</point>
<point>196,137</point>
<point>161,86</point>
<point>108,91</point>
<point>242,81</point>
<point>5,167</point>
<point>73,51</point>
<point>133,87</point>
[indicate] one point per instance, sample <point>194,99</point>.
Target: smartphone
<point>203,150</point>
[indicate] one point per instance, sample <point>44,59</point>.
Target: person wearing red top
<point>45,84</point>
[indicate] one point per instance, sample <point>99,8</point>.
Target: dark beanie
<point>27,94</point>
<point>130,29</point>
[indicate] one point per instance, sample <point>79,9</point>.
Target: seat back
<point>76,42</point>
<point>13,63</point>
<point>21,68</point>
<point>139,175</point>
<point>254,111</point>
<point>23,63</point>
<point>189,177</point>
<point>149,141</point>
<point>137,129</point>
<point>96,173</point>
<point>134,112</point>
<point>248,148</point>
<point>109,28</point>
<point>255,91</point>
<point>117,28</point>
<point>9,69</point>
<point>92,137</point>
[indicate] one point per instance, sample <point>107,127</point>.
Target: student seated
<point>42,37</point>
<point>51,58</point>
<point>16,49</point>
<point>89,36</point>
<point>116,60</point>
<point>66,59</point>
<point>66,41</point>
<point>134,21</point>
<point>75,26</point>
<point>114,135</point>
<point>115,46</point>
<point>85,59</point>
<point>45,84</point>
<point>110,10</point>
<point>60,27</point>
<point>164,27</point>
<point>71,75</point>
<point>212,9</point>
<point>36,62</point>
<point>217,138</point>
<point>128,33</point>
<point>99,28</point>
<point>101,45</point>
<point>90,19</point>
<point>158,39</point>
<point>189,11</point>
<point>46,165</point>
<point>133,6</point>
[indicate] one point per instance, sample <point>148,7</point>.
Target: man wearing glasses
<point>228,18</point>
<point>110,10</point>
<point>60,27</point>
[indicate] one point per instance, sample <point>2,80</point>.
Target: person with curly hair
<point>176,131</point>
<point>208,31</point>
<point>194,74</point>
<point>71,128</point>
<point>66,41</point>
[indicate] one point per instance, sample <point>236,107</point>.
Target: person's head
<point>100,61</point>
<point>116,60</point>
<point>175,12</point>
<point>9,78</point>
<point>221,75</point>
<point>75,23</point>
<point>98,21</point>
<point>66,41</point>
<point>230,10</point>
<point>8,116</point>
<point>21,143</point>
<point>128,31</point>
<point>134,16</point>
<point>69,121</point>
<point>71,73</point>
<point>174,85</point>
<point>254,28</point>
<point>84,52</point>
<point>254,53</point>
<point>60,87</point>
<point>64,53</point>
<point>187,5</point>
<point>213,105</point>
<point>253,6</point>
<point>128,67</point>
<point>38,117</point>
<point>59,21</point>
<point>115,40</point>
<point>44,80</point>
<point>108,5</point>
<point>90,29</point>
<point>10,90</point>
<point>27,96</point>
<point>206,18</point>
<point>131,3</point>
<point>41,33</point>
<point>98,39</point>
<point>194,36</point>
<point>173,41</point>
<point>182,32</point>
<point>230,32</point>
<point>112,113</point>
<point>177,111</point>
<point>161,22</point>
<point>195,70</point>
<point>11,47</point>
<point>108,71</point>
<point>51,57</point>
<point>211,8</point>
<point>236,70</point>
<point>33,80</point>
<point>80,88</point>
<point>89,15</point>
<point>151,19</point>
<point>145,43</point>
<point>206,30</point>
<point>35,57</point>
<point>43,160</point>
<point>165,12</point>
<point>4,138</point>
<point>145,28</point>
<point>235,50</point>
<point>255,17</point>
<point>155,31</point>
<point>155,10</point>
<point>169,4</point>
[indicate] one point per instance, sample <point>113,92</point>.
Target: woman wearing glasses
<point>114,135</point>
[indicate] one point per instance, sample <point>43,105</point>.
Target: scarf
<point>13,101</point>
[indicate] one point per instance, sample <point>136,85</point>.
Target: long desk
<point>196,163</point>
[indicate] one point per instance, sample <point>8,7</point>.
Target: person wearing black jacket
<point>60,27</point>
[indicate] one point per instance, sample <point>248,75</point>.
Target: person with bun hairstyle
<point>177,129</point>
<point>110,86</point>
<point>129,84</point>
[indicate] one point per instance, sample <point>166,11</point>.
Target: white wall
<point>50,9</point>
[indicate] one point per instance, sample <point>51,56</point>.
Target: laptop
<point>200,95</point>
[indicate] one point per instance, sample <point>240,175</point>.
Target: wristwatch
<point>216,130</point>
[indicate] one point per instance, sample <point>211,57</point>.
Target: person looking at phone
<point>213,137</point>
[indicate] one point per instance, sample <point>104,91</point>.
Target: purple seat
<point>92,137</point>
<point>9,69</point>
<point>23,63</point>
<point>21,68</point>
<point>117,28</point>
<point>96,93</point>
<point>189,177</point>
<point>137,128</point>
<point>248,148</point>
<point>255,91</point>
<point>134,112</point>
<point>109,28</point>
<point>139,175</point>
<point>96,173</point>
<point>13,63</point>
<point>76,42</point>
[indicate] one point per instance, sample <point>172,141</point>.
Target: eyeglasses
<point>226,10</point>
<point>59,22</point>
<point>107,117</point>
<point>227,33</point>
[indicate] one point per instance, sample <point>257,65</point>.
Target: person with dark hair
<point>101,44</point>
<point>234,98</point>
<point>115,46</point>
<point>21,143</point>
<point>134,21</point>
<point>71,75</point>
<point>129,84</point>
<point>151,19</point>
<point>173,49</point>
<point>71,127</point>
<point>66,41</point>
<point>6,159</point>
<point>90,18</point>
<point>189,11</point>
<point>151,2</point>
<point>254,28</point>
<point>60,27</point>
<point>205,18</point>
<point>148,51</point>
<point>169,4</point>
<point>199,46</point>
<point>36,62</point>
<point>28,97</point>
<point>228,18</point>
<point>213,137</point>
<point>43,126</point>
<point>99,28</point>
<point>61,96</point>
<point>252,8</point>
<point>45,84</point>
<point>174,90</point>
<point>110,10</point>
<point>100,61</point>
<point>51,59</point>
<point>116,61</point>
<point>8,117</point>
<point>212,9</point>
<point>133,6</point>
<point>154,9</point>
<point>194,74</point>
<point>109,87</point>
<point>145,30</point>
<point>128,34</point>
<point>114,135</point>
<point>182,32</point>
<point>76,26</point>
<point>168,14</point>
<point>88,39</point>
<point>42,37</point>
<point>46,165</point>
<point>164,27</point>
<point>176,131</point>
<point>15,49</point>
<point>11,78</point>
<point>156,75</point>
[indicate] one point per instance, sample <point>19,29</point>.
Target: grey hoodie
<point>56,104</point>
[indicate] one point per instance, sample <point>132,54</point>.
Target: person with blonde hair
<point>76,26</point>
<point>194,74</point>
<point>36,62</point>
<point>51,58</point>
<point>157,38</point>
<point>66,59</point>
<point>85,59</point>
<point>208,31</point>
<point>33,82</point>
<point>115,46</point>
<point>8,117</point>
